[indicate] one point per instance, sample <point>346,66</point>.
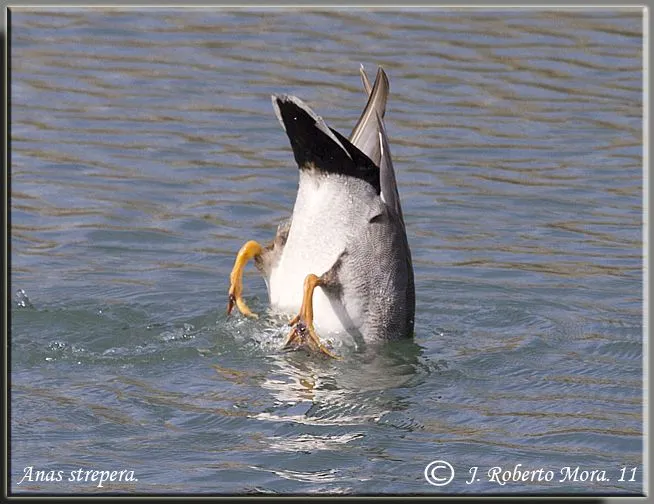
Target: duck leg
<point>248,251</point>
<point>303,333</point>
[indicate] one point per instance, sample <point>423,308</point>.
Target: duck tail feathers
<point>365,134</point>
<point>318,147</point>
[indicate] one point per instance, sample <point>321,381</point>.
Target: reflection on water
<point>144,152</point>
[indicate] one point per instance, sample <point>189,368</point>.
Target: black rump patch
<point>315,148</point>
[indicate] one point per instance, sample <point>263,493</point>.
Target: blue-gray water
<point>145,152</point>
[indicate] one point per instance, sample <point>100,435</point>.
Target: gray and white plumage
<point>347,225</point>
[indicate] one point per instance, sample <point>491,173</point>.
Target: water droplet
<point>22,300</point>
<point>57,345</point>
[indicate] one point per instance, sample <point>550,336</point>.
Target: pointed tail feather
<point>364,80</point>
<point>365,134</point>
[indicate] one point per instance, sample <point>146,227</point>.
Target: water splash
<point>21,299</point>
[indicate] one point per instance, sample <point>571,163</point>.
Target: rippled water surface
<point>145,152</point>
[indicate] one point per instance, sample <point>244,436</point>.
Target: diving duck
<point>341,264</point>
